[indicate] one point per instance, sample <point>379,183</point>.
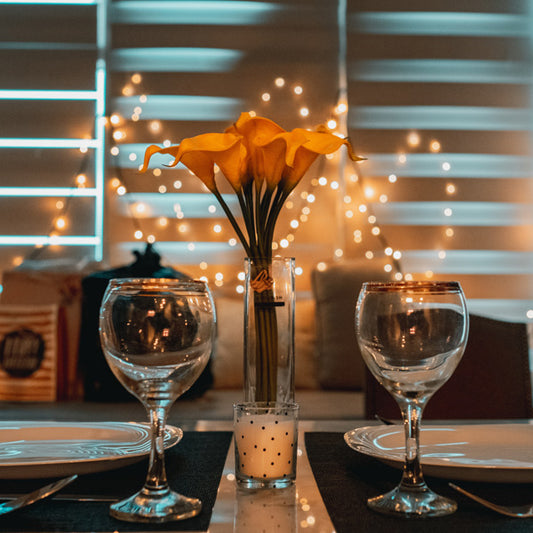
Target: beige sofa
<point>329,371</point>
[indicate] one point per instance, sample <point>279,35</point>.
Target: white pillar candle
<point>266,445</point>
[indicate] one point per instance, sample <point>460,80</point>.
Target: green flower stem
<point>260,210</point>
<point>275,210</point>
<point>246,203</point>
<point>233,222</point>
<point>259,217</point>
<point>266,339</point>
<point>264,207</point>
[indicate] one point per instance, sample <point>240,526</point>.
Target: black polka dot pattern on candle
<point>265,446</point>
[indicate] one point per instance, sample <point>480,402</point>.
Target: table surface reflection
<point>298,508</point>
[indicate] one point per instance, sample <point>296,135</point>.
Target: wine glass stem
<point>412,472</point>
<point>156,479</point>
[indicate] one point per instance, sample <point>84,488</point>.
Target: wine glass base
<point>145,507</point>
<point>412,503</point>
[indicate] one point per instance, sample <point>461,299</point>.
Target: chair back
<point>492,380</point>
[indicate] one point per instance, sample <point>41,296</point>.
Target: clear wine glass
<point>412,335</point>
<point>157,336</point>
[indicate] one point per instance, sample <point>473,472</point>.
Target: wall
<point>456,75</point>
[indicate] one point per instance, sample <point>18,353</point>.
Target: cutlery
<point>516,511</point>
<point>32,497</point>
<point>67,497</point>
<point>84,498</point>
<point>387,421</point>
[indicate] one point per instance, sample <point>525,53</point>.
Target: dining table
<point>332,485</point>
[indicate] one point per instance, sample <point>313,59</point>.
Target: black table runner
<point>194,467</point>
<point>346,479</point>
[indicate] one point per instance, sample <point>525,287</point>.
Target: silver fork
<point>36,495</point>
<point>516,511</point>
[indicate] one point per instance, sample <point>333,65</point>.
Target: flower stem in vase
<point>266,332</point>
<point>269,330</point>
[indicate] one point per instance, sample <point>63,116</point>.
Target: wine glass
<point>157,336</point>
<point>412,335</point>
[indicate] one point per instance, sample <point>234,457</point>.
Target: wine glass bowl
<point>157,336</point>
<point>412,336</point>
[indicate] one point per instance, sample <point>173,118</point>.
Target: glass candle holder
<point>266,444</point>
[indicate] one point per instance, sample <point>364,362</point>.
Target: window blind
<point>52,102</point>
<point>440,103</point>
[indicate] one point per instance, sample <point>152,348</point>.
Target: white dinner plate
<point>34,449</point>
<point>496,453</point>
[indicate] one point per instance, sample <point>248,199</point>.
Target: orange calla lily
<point>251,151</point>
<point>303,147</point>
<point>273,161</point>
<point>200,154</point>
<point>256,132</point>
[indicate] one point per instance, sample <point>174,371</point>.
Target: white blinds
<point>460,76</point>
<point>52,100</point>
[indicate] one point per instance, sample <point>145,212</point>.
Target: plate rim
<point>482,472</point>
<point>175,434</point>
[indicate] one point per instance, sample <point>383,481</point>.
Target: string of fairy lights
<point>299,205</point>
<point>370,196</point>
<point>60,219</point>
<point>361,194</point>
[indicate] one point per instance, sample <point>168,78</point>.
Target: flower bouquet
<point>263,163</point>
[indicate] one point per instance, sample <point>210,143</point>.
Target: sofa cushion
<point>228,363</point>
<point>335,289</point>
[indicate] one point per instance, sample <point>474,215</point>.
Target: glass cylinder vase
<point>269,330</point>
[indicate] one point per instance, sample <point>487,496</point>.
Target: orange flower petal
<point>253,148</point>
<point>345,141</point>
<point>200,154</point>
<point>149,152</point>
<point>256,132</point>
<point>232,163</point>
<point>272,164</point>
<point>303,159</point>
<point>322,142</point>
<point>301,148</point>
<point>286,159</point>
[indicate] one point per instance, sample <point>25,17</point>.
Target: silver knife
<point>68,497</point>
